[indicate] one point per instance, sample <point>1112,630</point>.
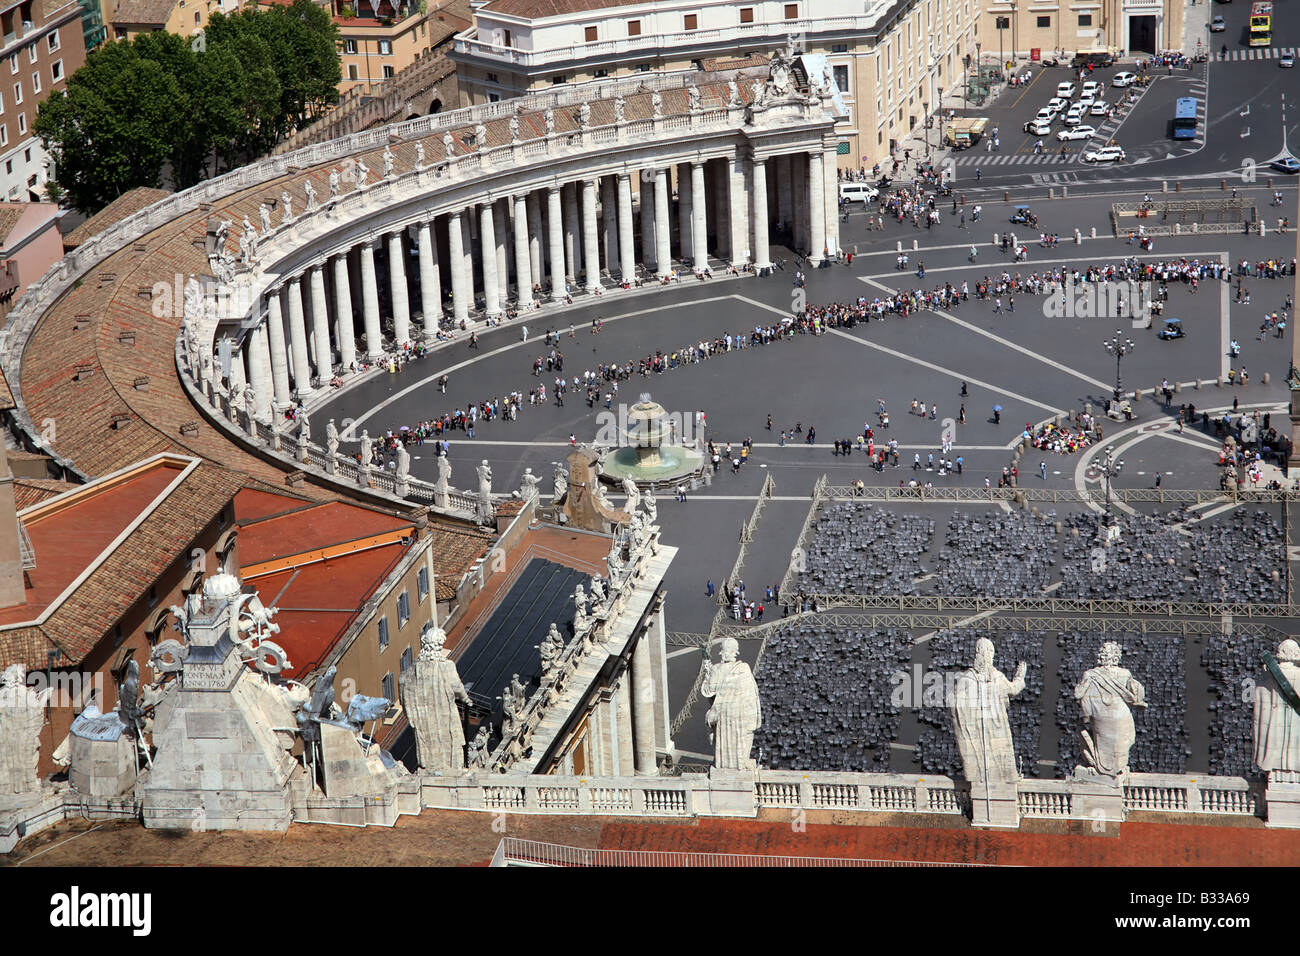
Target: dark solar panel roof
<point>507,643</point>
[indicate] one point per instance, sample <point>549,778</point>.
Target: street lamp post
<point>1110,530</point>
<point>979,58</point>
<point>1118,347</point>
<point>925,109</point>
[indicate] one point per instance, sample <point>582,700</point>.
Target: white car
<point>1086,99</point>
<point>1218,25</point>
<point>1074,118</point>
<point>1076,132</point>
<point>858,192</point>
<point>1099,108</point>
<point>1056,104</point>
<point>1046,114</point>
<point>1286,61</point>
<point>1091,88</point>
<point>1065,90</point>
<point>1038,127</point>
<point>1124,79</point>
<point>1107,154</point>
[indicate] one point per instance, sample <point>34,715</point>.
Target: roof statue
<point>620,109</point>
<point>528,486</point>
<point>633,495</point>
<point>520,690</point>
<point>22,715</point>
<point>559,482</point>
<point>286,203</point>
<point>1277,711</point>
<point>419,154</point>
<point>651,506</point>
<point>733,93</point>
<point>367,447</point>
<point>431,689</point>
<point>480,137</point>
<point>514,127</point>
<point>694,99</point>
<point>332,438</point>
<point>334,183</point>
<point>736,712</point>
<point>759,92</point>
<point>264,214</point>
<point>1106,693</point>
<point>403,462</point>
<point>550,121</point>
<point>448,146</point>
<point>780,79</point>
<point>363,171</point>
<point>979,716</point>
<point>304,428</point>
<point>310,189</point>
<point>478,749</point>
<point>584,115</point>
<point>390,162</point>
<point>597,591</point>
<point>656,104</point>
<point>485,511</point>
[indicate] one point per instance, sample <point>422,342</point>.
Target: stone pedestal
<point>1097,799</point>
<point>733,793</point>
<point>994,805</point>
<point>1282,799</point>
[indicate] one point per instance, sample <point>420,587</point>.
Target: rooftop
<point>130,202</point>
<point>143,12</point>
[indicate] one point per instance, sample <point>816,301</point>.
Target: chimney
<point>12,591</point>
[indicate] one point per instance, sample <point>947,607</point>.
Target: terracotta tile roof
<point>10,213</point>
<point>32,491</point>
<point>455,549</point>
<point>86,616</point>
<point>127,204</point>
<point>537,9</point>
<point>144,12</point>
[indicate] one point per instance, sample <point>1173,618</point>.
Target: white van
<point>857,192</point>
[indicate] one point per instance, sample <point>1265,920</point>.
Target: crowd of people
<point>1062,439</point>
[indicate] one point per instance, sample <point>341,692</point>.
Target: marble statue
<point>559,482</point>
<point>733,93</point>
<point>548,652</point>
<point>430,689</point>
<point>250,402</point>
<point>478,749</point>
<point>584,115</point>
<point>264,214</point>
<point>759,92</point>
<point>528,489</point>
<point>444,473</point>
<point>582,624</point>
<point>286,203</point>
<point>580,597</point>
<point>509,711</point>
<point>656,104</point>
<point>979,716</point>
<point>332,438</point>
<point>363,171</point>
<point>736,712</point>
<point>633,495</point>
<point>480,137</point>
<point>223,232</point>
<point>651,506</point>
<point>602,497</point>
<point>550,121</point>
<point>251,231</point>
<point>403,463</point>
<point>520,691</point>
<point>448,145</point>
<point>367,448</point>
<point>1106,692</point>
<point>334,183</point>
<point>22,715</point>
<point>601,453</point>
<point>246,248</point>
<point>310,190</point>
<point>1277,711</point>
<point>389,163</point>
<point>779,78</point>
<point>485,509</point>
<point>597,592</point>
<point>693,98</point>
<point>514,127</point>
<point>620,109</point>
<point>419,154</point>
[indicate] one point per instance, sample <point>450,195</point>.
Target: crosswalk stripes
<point>1016,159</point>
<point>1256,53</point>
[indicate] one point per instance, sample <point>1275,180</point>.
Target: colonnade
<point>530,247</point>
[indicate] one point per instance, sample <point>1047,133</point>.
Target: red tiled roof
<point>32,491</point>
<point>127,204</point>
<point>537,9</point>
<point>311,528</point>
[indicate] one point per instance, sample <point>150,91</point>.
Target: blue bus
<point>1185,118</point>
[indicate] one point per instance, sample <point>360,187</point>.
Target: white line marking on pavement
<point>1225,333</point>
<point>1044,262</point>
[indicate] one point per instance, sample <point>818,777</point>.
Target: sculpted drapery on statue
<point>22,715</point>
<point>736,712</point>
<point>979,717</point>
<point>1277,719</point>
<point>1106,692</point>
<point>430,689</point>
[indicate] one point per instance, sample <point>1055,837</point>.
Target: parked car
<point>1091,88</point>
<point>1056,104</point>
<point>1047,114</point>
<point>1287,164</point>
<point>1076,132</point>
<point>1218,24</point>
<point>857,192</point>
<point>1065,90</point>
<point>1123,79</point>
<point>1099,108</point>
<point>1286,60</point>
<point>1038,127</point>
<point>1107,154</point>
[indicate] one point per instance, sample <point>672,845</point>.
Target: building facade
<point>43,46</point>
<point>890,61</point>
<point>1128,27</point>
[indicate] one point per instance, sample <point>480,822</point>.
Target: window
<point>589,34</point>
<point>403,608</point>
<point>492,78</point>
<point>746,14</point>
<point>36,82</point>
<point>54,41</point>
<point>792,11</point>
<point>1045,21</point>
<point>352,71</point>
<point>18,93</point>
<point>408,658</point>
<point>422,585</point>
<point>350,46</point>
<point>494,97</point>
<point>634,28</point>
<point>841,74</point>
<point>32,53</point>
<point>56,70</point>
<point>691,22</point>
<point>383,633</point>
<point>13,62</point>
<point>839,48</point>
<point>386,687</point>
<point>9,167</point>
<point>388,72</point>
<point>600,74</point>
<point>385,47</point>
<point>196,18</point>
<point>4,135</point>
<point>153,592</point>
<point>643,67</point>
<point>1085,19</point>
<point>557,80</point>
<point>1003,23</point>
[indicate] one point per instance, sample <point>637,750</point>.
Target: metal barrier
<point>512,851</point>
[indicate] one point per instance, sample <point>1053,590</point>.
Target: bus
<point>1261,23</point>
<point>1185,118</point>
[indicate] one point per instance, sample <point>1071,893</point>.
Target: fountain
<point>651,451</point>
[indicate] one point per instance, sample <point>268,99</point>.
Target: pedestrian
<point>769,421</point>
<point>709,585</point>
<point>681,494</point>
<point>1042,470</point>
<point>1157,479</point>
<point>959,462</point>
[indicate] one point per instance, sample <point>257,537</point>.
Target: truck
<point>965,131</point>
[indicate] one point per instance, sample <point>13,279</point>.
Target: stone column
<point>320,321</point>
<point>555,225</point>
<point>500,218</point>
<point>397,290</point>
<point>648,251</point>
<point>721,205</point>
<point>830,192</point>
<point>699,220</point>
<point>536,250</point>
<point>737,210</point>
<point>468,240</point>
<point>643,708</point>
<point>816,208</point>
<point>462,293</point>
<point>685,219</point>
<point>259,370</point>
<point>523,261</point>
<point>762,258</point>
<point>279,354</point>
<point>430,283</point>
<point>627,253</point>
<point>488,244</point>
<point>663,231</point>
<point>591,247</point>
<point>572,245</point>
<point>370,302</point>
<point>298,339</point>
<point>610,236</point>
<point>343,313</point>
<point>626,761</point>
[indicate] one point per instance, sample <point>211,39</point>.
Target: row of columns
<point>520,238</point>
